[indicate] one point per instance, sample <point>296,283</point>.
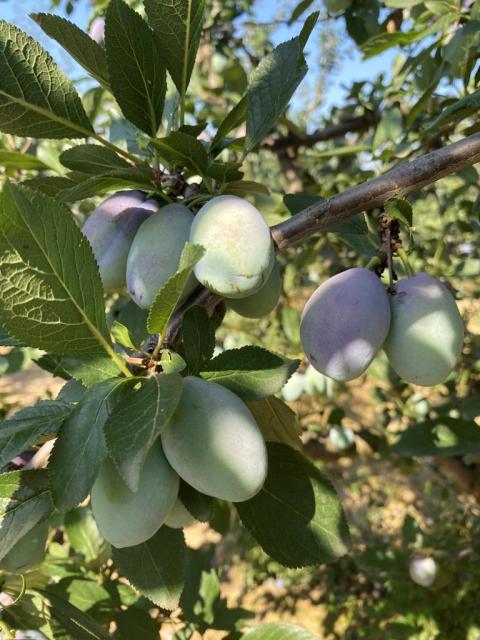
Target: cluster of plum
<point>212,442</point>
<point>351,316</point>
<point>137,244</point>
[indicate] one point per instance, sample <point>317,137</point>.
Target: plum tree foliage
<point>122,258</point>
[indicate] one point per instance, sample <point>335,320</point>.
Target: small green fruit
<point>126,518</point>
<point>239,247</point>
<point>213,442</point>
<point>426,331</point>
<point>155,253</point>
<point>264,301</point>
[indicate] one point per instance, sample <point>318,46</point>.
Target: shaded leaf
<point>25,500</point>
<point>296,517</point>
<point>277,422</point>
<point>198,337</point>
<point>157,567</point>
<point>92,159</point>
<point>137,421</point>
<point>36,98</point>
<point>83,533</point>
<point>178,25</point>
<point>19,160</point>
<point>137,75</point>
<point>439,437</point>
<point>23,429</point>
<point>250,372</point>
<point>88,53</point>
<point>181,150</point>
<point>279,631</point>
<point>271,86</point>
<point>80,446</point>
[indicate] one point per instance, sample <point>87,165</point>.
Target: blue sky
<point>351,68</point>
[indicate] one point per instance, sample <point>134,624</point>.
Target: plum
<point>345,323</point>
<point>213,442</point>
<point>97,30</point>
<point>28,552</point>
<point>423,571</point>
<point>155,253</point>
<point>239,247</point>
<point>179,517</point>
<point>262,302</point>
<point>426,332</point>
<point>126,518</point>
<point>111,229</point>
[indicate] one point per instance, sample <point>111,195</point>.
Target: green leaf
<point>277,422</point>
<point>49,185</point>
<point>45,302</point>
<point>80,446</point>
<point>92,159</point>
<point>133,178</point>
<point>296,517</point>
<point>88,53</point>
<point>19,432</point>
<point>71,392</point>
<point>308,27</point>
<point>169,295</point>
<point>198,504</point>
<point>137,421</point>
<point>137,75</point>
<point>76,623</point>
<point>389,129</point>
<point>335,152</point>
<point>181,150</point>
<point>439,437</point>
<point>299,10</point>
<point>400,209</point>
<point>279,631</point>
<point>178,25</point>
<point>82,592</point>
<point>459,110</point>
<point>243,188</point>
<point>157,567</point>
<point>89,369</point>
<point>24,500</point>
<point>250,372</point>
<point>36,98</point>
<point>136,623</point>
<point>271,86</point>
<point>83,533</point>
<point>122,335</point>
<point>225,171</point>
<point>19,160</point>
<point>232,120</point>
<point>198,337</point>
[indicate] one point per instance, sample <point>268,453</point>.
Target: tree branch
<point>400,181</point>
<point>277,143</point>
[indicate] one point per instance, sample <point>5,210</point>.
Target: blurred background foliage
<point>423,93</point>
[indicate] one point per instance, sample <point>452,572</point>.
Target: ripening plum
<point>345,323</point>
<point>426,332</point>
<point>264,301</point>
<point>213,442</point>
<point>126,518</point>
<point>97,30</point>
<point>28,552</point>
<point>423,571</point>
<point>239,247</point>
<point>110,230</point>
<point>155,253</point>
<point>180,517</point>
